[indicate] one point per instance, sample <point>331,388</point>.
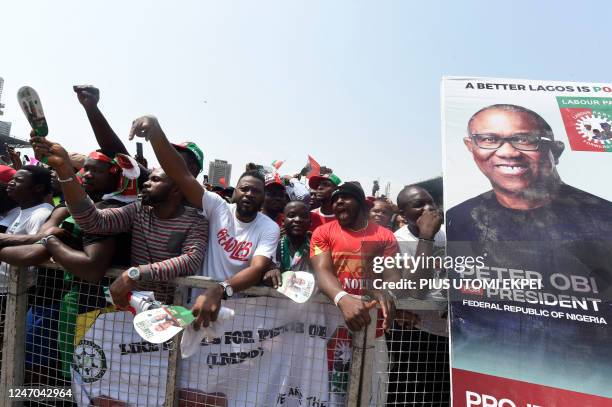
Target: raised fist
<point>88,95</point>
<point>14,156</point>
<point>145,127</point>
<point>54,152</point>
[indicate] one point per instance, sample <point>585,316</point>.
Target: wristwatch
<point>228,291</point>
<point>134,273</point>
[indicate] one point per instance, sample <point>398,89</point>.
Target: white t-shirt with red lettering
<point>232,243</point>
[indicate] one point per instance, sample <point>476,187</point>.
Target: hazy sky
<point>353,83</point>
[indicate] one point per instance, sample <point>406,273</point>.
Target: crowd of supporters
<point>89,212</point>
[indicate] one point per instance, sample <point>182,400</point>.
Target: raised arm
<point>107,139</point>
<point>89,218</point>
<point>172,163</point>
<point>15,157</point>
<point>59,160</point>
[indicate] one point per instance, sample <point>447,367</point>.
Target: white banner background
<point>275,354</point>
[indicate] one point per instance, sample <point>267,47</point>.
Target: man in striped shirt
<point>168,238</point>
<point>243,240</point>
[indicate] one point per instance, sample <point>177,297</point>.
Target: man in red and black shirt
<point>342,253</point>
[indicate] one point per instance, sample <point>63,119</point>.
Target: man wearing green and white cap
<point>323,186</point>
<point>194,157</point>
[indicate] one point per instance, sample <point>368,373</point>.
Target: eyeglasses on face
<point>522,142</point>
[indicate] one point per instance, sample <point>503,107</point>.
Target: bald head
<point>501,112</point>
<point>412,201</point>
<point>412,193</point>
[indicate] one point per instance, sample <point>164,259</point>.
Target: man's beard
<point>246,213</point>
<point>350,221</point>
<point>149,200</point>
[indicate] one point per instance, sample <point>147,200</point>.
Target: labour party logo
<point>588,122</point>
<point>89,361</point>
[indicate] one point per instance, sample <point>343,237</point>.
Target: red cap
<point>273,179</point>
<point>6,173</point>
<point>314,181</point>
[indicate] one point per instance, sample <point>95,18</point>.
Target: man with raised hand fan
<point>168,238</point>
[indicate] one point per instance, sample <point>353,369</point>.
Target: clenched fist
<point>88,95</point>
<point>145,127</point>
<point>54,153</point>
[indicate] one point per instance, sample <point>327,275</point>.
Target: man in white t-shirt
<point>423,235</point>
<point>242,241</point>
<point>426,335</point>
<point>28,188</point>
<point>234,239</point>
<point>8,217</point>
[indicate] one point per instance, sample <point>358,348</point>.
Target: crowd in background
<point>89,211</point>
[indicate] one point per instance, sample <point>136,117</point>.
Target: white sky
<point>353,83</point>
<point>280,80</point>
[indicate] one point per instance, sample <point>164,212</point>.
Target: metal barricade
<point>418,372</point>
<point>276,355</point>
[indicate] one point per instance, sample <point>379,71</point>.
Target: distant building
<point>218,171</point>
<point>1,104</point>
<point>5,138</point>
<point>5,129</point>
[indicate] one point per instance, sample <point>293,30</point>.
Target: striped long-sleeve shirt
<point>161,248</point>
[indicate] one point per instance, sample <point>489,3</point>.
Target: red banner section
<point>472,389</point>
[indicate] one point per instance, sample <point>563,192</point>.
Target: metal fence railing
<point>418,368</point>
<point>61,335</point>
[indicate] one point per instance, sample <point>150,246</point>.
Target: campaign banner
<point>272,352</point>
<point>527,193</point>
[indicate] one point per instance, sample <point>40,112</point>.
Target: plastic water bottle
<point>140,302</point>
